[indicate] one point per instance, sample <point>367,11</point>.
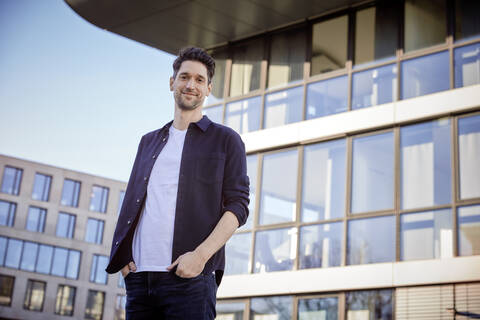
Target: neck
<point>182,118</point>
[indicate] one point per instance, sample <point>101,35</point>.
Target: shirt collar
<point>202,124</point>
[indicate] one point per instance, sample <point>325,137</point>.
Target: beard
<point>185,104</point>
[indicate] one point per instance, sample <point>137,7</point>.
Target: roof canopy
<point>172,24</point>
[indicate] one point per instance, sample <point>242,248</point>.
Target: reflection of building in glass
<point>54,226</point>
<point>362,127</point>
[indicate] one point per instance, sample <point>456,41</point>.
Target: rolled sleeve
<point>236,182</point>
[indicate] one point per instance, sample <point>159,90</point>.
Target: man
<point>187,193</point>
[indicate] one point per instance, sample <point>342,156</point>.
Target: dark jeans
<point>164,295</point>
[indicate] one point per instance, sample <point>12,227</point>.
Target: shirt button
<point>164,139</point>
<point>145,178</point>
<point>116,243</point>
<point>138,200</point>
<point>128,222</point>
<point>154,156</point>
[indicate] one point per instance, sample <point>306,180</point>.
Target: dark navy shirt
<point>212,180</point>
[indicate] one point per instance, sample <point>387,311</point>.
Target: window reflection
<point>279,187</point>
<point>94,233</point>
<point>41,187</point>
<point>244,116</point>
<point>425,75</point>
<point>29,256</point>
<point>466,19</point>
<point>7,213</point>
<point>6,292</point>
<point>287,56</point>
<point>252,161</point>
<point>97,271</point>
<point>329,45</point>
<point>274,308</point>
<point>371,240</point>
<point>36,219</point>
<point>218,81</point>
<point>59,264</point>
<point>327,97</point>
<point>94,307</point>
<point>318,308</point>
<point>214,113</point>
<point>237,251</point>
<point>65,300</point>
<point>12,177</point>
<point>372,173</point>
<point>275,250</point>
<point>230,310</point>
<point>44,262</point>
<point>425,164</point>
<point>425,23</point>
<point>70,193</point>
<point>426,235</point>
<point>98,199</point>
<point>14,251</point>
<point>34,296</point>
<point>467,65</point>
<point>372,304</point>
<point>469,230</point>
<point>283,107</point>
<point>65,225</point>
<point>321,245</point>
<point>3,249</point>
<point>73,264</point>
<point>323,190</point>
<point>469,153</point>
<point>246,63</point>
<point>374,86</point>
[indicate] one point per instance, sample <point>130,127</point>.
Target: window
<point>121,281</point>
<point>73,264</point>
<point>327,97</point>
<point>41,187</point>
<point>318,308</point>
<point>372,304</point>
<point>468,230</point>
<point>466,19</point>
<point>214,113</point>
<point>425,75</point>
<point>120,201</point>
<point>6,290</point>
<point>323,192</point>
<point>70,193</point>
<point>469,153</point>
<point>425,23</point>
<point>35,295</point>
<point>279,187</point>
<point>252,161</point>
<point>283,107</point>
<point>3,249</point>
<point>467,65</point>
<point>425,164</point>
<point>218,81</point>
<point>94,233</point>
<point>374,86</point>
<point>321,245</point>
<point>44,262</point>
<point>376,33</point>
<point>65,225</point>
<point>275,250</point>
<point>329,45</point>
<point>97,271</point>
<point>7,213</point>
<point>371,240</point>
<point>29,256</point>
<point>246,61</point>
<point>372,173</point>
<point>237,251</point>
<point>287,56</point>
<point>98,199</point>
<point>65,301</point>
<point>94,307</point>
<point>65,263</point>
<point>12,178</point>
<point>14,252</point>
<point>120,307</point>
<point>279,308</point>
<point>36,219</point>
<point>230,310</point>
<point>426,235</point>
<point>244,116</point>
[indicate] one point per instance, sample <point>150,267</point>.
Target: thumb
<point>170,267</point>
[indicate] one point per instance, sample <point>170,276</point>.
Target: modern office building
<point>55,231</point>
<point>361,121</point>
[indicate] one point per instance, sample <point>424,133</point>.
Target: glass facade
<point>327,97</point>
<point>36,219</point>
<point>374,86</point>
<point>41,187</point>
<point>283,107</point>
<point>97,271</point>
<point>243,116</point>
<point>99,199</point>
<point>65,225</point>
<point>275,250</point>
<point>468,218</point>
<point>65,300</point>
<point>238,252</point>
<point>12,177</point>
<point>214,113</point>
<point>246,61</point>
<point>7,213</point>
<point>467,65</point>
<point>6,289</point>
<point>230,310</point>
<point>35,295</point>
<point>94,233</point>
<point>120,303</point>
<point>318,308</point>
<point>372,304</point>
<point>321,245</point>
<point>279,308</point>
<point>121,196</point>
<point>466,19</point>
<point>469,153</point>
<point>94,307</point>
<point>70,193</point>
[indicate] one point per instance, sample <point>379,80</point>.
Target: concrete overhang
<point>172,24</point>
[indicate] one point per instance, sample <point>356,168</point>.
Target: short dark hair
<point>195,54</point>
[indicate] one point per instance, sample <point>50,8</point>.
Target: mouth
<point>192,94</point>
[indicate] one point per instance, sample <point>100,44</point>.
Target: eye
<point>183,77</point>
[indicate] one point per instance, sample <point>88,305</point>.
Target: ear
<point>171,83</point>
<point>209,89</point>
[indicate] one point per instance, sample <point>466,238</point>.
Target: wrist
<point>202,253</point>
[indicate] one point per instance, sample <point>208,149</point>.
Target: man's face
<point>190,86</point>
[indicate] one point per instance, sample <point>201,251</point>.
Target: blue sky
<point>73,95</point>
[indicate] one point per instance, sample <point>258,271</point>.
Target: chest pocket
<point>209,168</point>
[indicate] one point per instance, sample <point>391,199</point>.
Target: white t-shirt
<point>153,239</point>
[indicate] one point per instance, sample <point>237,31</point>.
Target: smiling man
<point>187,194</point>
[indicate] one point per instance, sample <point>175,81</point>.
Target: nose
<point>191,83</point>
